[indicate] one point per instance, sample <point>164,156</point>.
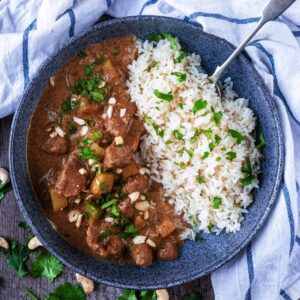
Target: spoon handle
<point>271,11</point>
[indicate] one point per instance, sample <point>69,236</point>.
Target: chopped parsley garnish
<point>218,158</point>
<point>74,104</point>
<point>211,146</point>
<point>181,56</point>
<point>217,117</point>
<point>88,70</point>
<point>4,188</point>
<point>83,104</point>
<point>66,106</point>
<point>46,265</point>
<point>168,142</point>
<point>97,96</point>
<point>163,96</point>
<point>190,152</point>
<point>198,105</point>
<point>231,155</point>
<point>109,203</point>
<point>223,149</point>
<point>247,180</point>
<point>31,294</point>
<point>87,215</point>
<point>194,221</point>
<point>116,51</point>
<point>87,153</point>
<point>217,139</point>
<point>153,64</point>
<point>24,225</point>
<point>81,53</point>
<point>200,179</point>
<point>178,135</point>
<point>86,141</point>
<point>155,38</point>
<point>16,256</point>
<point>262,142</point>
<point>171,39</point>
<point>130,231</point>
<point>138,295</point>
<point>97,135</point>
<point>209,228</point>
<point>180,105</point>
<point>180,76</point>
<point>101,59</point>
<point>235,134</point>
<point>205,155</point>
<point>67,291</point>
<point>104,235</point>
<point>158,131</point>
<point>72,129</point>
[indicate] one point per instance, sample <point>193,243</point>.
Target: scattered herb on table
<point>46,265</point>
<point>4,189</point>
<point>24,225</point>
<point>163,96</point>
<point>180,76</point>
<point>198,105</point>
<point>235,134</point>
<point>192,296</point>
<point>67,291</point>
<point>31,294</point>
<point>16,257</point>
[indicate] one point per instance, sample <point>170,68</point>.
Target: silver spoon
<point>272,10</point>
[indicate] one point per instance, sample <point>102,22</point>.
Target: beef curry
<point>84,165</point>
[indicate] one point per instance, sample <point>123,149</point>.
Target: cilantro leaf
<point>163,96</point>
<point>46,265</point>
<point>247,180</point>
<point>217,117</point>
<point>181,56</point>
<point>148,295</point>
<point>192,296</point>
<point>217,201</point>
<point>180,76</point>
<point>24,225</point>
<point>67,291</point>
<point>31,294</point>
<point>178,135</point>
<point>128,295</point>
<point>199,104</point>
<point>171,39</point>
<point>205,155</point>
<point>66,106</point>
<point>159,132</point>
<point>87,153</point>
<point>16,257</point>
<point>101,59</point>
<point>200,179</point>
<point>235,134</point>
<point>262,142</point>
<point>231,155</point>
<point>4,188</point>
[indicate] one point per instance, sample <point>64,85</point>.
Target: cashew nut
<point>34,243</point>
<point>87,284</point>
<point>4,176</point>
<point>162,294</point>
<point>4,243</point>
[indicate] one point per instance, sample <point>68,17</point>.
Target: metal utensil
<point>271,11</point>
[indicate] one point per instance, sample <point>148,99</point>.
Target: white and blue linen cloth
<point>31,30</point>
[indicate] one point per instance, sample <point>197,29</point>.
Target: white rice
<point>170,164</point>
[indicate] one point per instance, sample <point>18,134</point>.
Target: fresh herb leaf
<point>148,295</point>
<point>181,56</point>
<point>158,131</point>
<point>171,39</point>
<point>190,152</point>
<point>109,203</point>
<point>198,105</point>
<point>46,265</point>
<point>163,96</point>
<point>72,129</point>
<point>211,146</point>
<point>104,235</point>
<point>200,179</point>
<point>101,59</point>
<point>74,104</point>
<point>4,189</point>
<point>194,221</point>
<point>223,149</point>
<point>247,180</point>
<point>235,134</point>
<point>66,106</point>
<point>231,155</point>
<point>81,53</point>
<point>153,64</point>
<point>205,155</point>
<point>155,38</point>
<point>180,105</point>
<point>180,76</point>
<point>24,225</point>
<point>88,70</point>
<point>128,295</point>
<point>218,158</point>
<point>116,51</point>
<point>87,153</point>
<point>67,291</point>
<point>262,142</point>
<point>217,139</point>
<point>16,257</point>
<point>248,168</point>
<point>178,135</point>
<point>168,142</point>
<point>97,135</point>
<point>97,96</point>
<point>209,228</point>
<point>217,201</point>
<point>191,296</point>
<point>30,294</point>
<point>129,232</point>
<point>217,117</point>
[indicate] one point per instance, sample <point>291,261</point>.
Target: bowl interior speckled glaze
<point>196,259</point>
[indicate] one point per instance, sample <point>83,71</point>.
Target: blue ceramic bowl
<point>196,259</point>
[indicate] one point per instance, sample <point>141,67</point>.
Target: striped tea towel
<point>30,30</point>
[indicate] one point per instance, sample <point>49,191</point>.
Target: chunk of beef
<point>126,208</point>
<point>70,182</point>
<point>92,238</point>
<point>141,254</point>
<point>140,222</point>
<point>87,107</point>
<point>136,183</point>
<point>118,156</point>
<point>118,92</point>
<point>56,145</point>
<point>130,169</point>
<point>166,227</point>
<point>114,246</point>
<point>117,125</point>
<point>169,249</point>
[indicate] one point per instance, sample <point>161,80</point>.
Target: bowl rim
<point>187,278</point>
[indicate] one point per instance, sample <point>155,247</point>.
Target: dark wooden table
<point>12,287</point>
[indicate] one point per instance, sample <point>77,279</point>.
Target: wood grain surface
<point>12,287</point>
